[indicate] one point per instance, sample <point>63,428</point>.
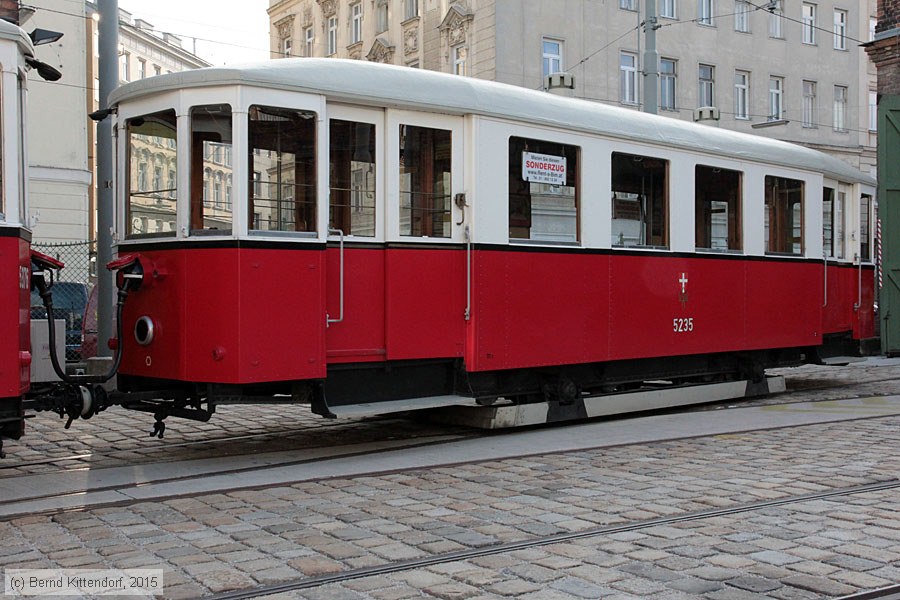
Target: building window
<point>425,181</point>
<point>707,81</point>
<point>840,30</point>
<point>776,20</point>
<point>667,82</point>
<point>460,56</point>
<point>356,16</point>
<point>308,41</point>
<point>411,9</point>
<point>809,23</point>
<point>352,180</point>
<point>552,56</point>
<point>784,215</point>
<point>125,66</point>
<point>742,16</point>
<point>628,81</point>
<point>718,208</point>
<point>667,9</point>
<point>741,94</point>
<point>705,12</point>
<point>382,17</point>
<point>840,108</point>
<point>332,35</point>
<point>543,190</point>
<point>627,4</point>
<point>809,104</point>
<point>640,199</point>
<point>873,23</point>
<point>873,111</point>
<point>142,68</point>
<point>157,70</point>
<point>776,96</point>
<point>283,169</point>
<point>143,203</point>
<point>287,46</point>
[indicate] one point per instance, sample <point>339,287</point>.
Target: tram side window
<point>282,169</point>
<point>784,215</point>
<point>865,208</point>
<point>543,190</point>
<point>150,200</point>
<point>718,208</point>
<point>425,181</point>
<point>640,212</point>
<point>211,169</point>
<point>352,177</point>
<point>833,222</point>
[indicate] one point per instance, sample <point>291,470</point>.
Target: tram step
<point>842,361</point>
<point>519,415</point>
<point>394,406</point>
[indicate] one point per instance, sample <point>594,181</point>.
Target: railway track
<point>451,557</point>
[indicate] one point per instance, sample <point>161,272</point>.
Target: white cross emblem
<point>683,281</point>
<point>683,296</point>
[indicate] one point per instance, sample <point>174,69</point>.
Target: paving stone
<point>774,558</point>
<point>819,585</point>
<point>754,584</point>
<point>693,585</point>
<point>649,571</point>
<point>578,587</point>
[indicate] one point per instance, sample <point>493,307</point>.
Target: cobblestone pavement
<point>117,437</point>
<point>242,539</point>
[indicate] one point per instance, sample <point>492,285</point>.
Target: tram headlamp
<point>144,330</point>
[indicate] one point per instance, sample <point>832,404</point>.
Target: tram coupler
<point>72,401</point>
<point>183,408</point>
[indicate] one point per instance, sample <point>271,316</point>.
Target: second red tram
<point>348,233</point>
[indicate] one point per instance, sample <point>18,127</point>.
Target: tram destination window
<point>784,215</point>
<point>152,166</point>
<point>543,191</point>
<point>425,181</point>
<point>352,177</point>
<point>282,184</point>
<point>717,195</point>
<point>640,201</point>
<point>212,170</point>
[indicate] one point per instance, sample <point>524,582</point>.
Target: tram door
<point>355,261</point>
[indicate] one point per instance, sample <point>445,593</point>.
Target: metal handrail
<point>825,258</point>
<point>328,319</point>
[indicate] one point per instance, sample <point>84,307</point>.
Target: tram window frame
<point>717,189</point>
<point>296,212</point>
<point>353,200</point>
<point>829,195</point>
<point>420,187</point>
<point>212,130</point>
<point>784,203</point>
<point>166,200</point>
<point>529,199</point>
<point>865,228</point>
<point>627,183</point>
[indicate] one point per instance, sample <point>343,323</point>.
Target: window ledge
<point>524,242</point>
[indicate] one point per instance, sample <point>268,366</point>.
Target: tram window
<point>150,201</point>
<point>640,212</point>
<point>543,190</point>
<point>425,181</point>
<point>717,194</point>
<point>352,177</point>
<point>210,146</point>
<point>282,169</point>
<point>865,207</point>
<point>784,215</point>
<point>828,221</point>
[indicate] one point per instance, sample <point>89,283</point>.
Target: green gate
<point>889,211</point>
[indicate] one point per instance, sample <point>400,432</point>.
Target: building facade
<point>793,71</point>
<point>143,52</point>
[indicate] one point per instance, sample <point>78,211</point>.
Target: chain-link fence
<point>71,294</point>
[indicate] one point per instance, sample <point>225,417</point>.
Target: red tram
<point>356,235</point>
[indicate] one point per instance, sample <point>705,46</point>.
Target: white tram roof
<point>418,89</point>
<point>11,32</point>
